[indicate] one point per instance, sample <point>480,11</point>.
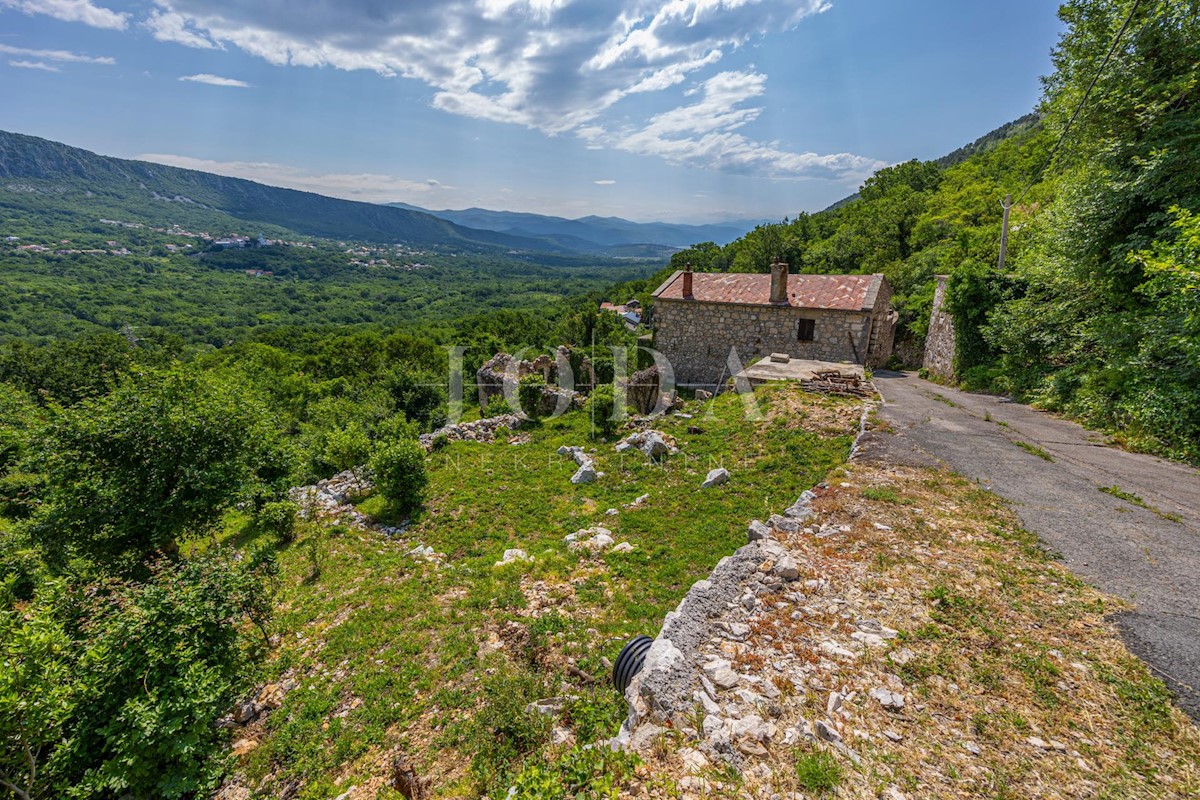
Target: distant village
<point>397,256</point>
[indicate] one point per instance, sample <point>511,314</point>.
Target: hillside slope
<point>63,178</point>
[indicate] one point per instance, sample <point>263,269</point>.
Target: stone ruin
<point>503,370</point>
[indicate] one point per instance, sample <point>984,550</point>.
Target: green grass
<point>884,494</point>
<point>818,772</point>
<point>941,398</point>
<point>391,653</point>
<point>1033,450</point>
<point>1133,499</point>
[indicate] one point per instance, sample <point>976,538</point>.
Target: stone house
<point>699,318</point>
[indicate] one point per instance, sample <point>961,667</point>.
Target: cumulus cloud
<point>71,11</point>
<point>55,55</point>
<point>365,187</point>
<point>558,66</point>
<point>42,65</point>
<point>215,80</point>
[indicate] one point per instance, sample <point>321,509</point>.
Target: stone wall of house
<point>939,343</point>
<point>696,337</point>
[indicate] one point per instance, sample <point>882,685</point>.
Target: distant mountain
<point>596,234</point>
<point>57,178</point>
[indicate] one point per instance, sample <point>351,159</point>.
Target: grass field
<point>398,660</point>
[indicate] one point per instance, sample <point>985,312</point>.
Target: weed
<point>1033,450</point>
<point>884,494</point>
<point>941,398</point>
<point>1133,499</point>
<point>818,771</point>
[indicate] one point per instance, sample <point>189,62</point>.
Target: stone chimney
<point>779,279</point>
<point>687,281</point>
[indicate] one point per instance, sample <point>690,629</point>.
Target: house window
<point>806,330</point>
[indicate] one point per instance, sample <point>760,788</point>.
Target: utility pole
<point>1007,204</point>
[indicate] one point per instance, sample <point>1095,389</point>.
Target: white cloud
<point>42,65</point>
<point>71,11</point>
<point>558,66</point>
<point>605,182</point>
<point>705,134</point>
<point>55,55</point>
<point>215,80</point>
<point>365,187</point>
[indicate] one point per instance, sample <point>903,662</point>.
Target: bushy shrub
<point>278,519</point>
<point>399,472</point>
<point>113,687</point>
<point>347,448</point>
<point>529,393</point>
<point>600,408</point>
<point>496,406</point>
<point>158,460</point>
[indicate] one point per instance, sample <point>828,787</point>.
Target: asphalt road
<point>1118,546</point>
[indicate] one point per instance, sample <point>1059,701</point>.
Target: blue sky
<point>688,110</point>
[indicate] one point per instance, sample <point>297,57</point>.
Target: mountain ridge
<point>599,232</point>
<point>115,185</point>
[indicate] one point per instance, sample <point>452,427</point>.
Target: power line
<point>1078,109</point>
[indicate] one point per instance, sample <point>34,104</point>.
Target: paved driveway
<point>1120,547</point>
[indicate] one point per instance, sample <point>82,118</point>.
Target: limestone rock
<point>892,701</point>
<point>715,477</point>
<point>513,555</point>
<point>757,531</point>
<point>585,474</point>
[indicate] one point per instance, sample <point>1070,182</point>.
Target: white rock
<point>715,477</point>
<point>725,678</point>
<point>757,531</point>
<point>693,760</point>
<point>787,568</point>
<point>623,547</point>
<point>892,701</point>
<point>585,474</point>
<point>513,555</point>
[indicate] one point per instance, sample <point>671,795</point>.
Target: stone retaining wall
<point>939,343</point>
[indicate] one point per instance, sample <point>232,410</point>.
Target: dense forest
<point>1097,311</point>
<point>145,397</point>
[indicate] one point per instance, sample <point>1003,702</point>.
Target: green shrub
<point>114,686</point>
<point>157,461</point>
<point>278,519</point>
<point>529,393</point>
<point>346,448</point>
<point>496,406</point>
<point>600,408</point>
<point>597,773</point>
<point>399,472</point>
<point>502,732</point>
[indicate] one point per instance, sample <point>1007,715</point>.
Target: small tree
<point>400,476</point>
<point>278,519</point>
<point>158,460</point>
<point>600,408</point>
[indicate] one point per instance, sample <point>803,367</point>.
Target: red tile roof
<point>837,292</point>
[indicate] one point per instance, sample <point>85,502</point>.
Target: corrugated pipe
<point>629,663</point>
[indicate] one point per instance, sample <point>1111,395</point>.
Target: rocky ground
<point>906,640</point>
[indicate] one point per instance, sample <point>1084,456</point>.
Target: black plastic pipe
<point>629,663</point>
